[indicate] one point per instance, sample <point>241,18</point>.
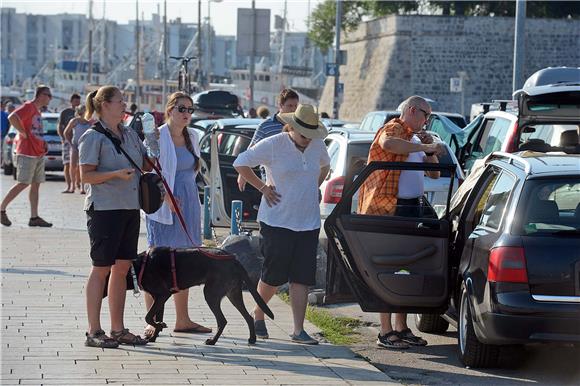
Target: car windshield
<point>49,126</point>
<point>551,206</point>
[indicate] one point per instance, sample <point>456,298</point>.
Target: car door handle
<point>423,225</point>
<point>404,259</point>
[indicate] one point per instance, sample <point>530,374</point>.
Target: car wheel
<point>471,351</point>
<point>8,169</point>
<point>431,323</point>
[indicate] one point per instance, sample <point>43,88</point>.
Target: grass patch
<point>337,330</point>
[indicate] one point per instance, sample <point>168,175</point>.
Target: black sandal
<point>125,337</point>
<point>392,340</point>
<point>99,339</point>
<point>407,336</point>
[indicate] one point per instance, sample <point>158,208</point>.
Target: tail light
<point>333,192</point>
<point>507,264</point>
<point>511,146</point>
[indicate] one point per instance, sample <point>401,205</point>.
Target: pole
<point>519,42</point>
<point>208,61</point>
<point>253,55</point>
<point>138,64</point>
<point>283,43</point>
<point>199,53</point>
<point>164,65</point>
<point>90,69</point>
<point>337,56</point>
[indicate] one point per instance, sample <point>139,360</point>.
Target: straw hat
<point>305,121</point>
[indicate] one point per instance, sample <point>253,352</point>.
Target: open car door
<point>393,263</point>
<point>226,144</point>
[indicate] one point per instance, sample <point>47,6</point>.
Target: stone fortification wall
<point>397,56</point>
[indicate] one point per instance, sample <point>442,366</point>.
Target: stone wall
<point>397,56</point>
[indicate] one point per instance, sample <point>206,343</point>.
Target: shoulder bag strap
<point>117,143</point>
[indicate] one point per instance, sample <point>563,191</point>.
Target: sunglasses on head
<point>183,109</point>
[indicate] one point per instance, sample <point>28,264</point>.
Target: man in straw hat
<point>296,163</point>
<point>398,193</point>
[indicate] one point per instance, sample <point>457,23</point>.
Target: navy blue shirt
<point>268,128</point>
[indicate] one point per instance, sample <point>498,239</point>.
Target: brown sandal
<point>125,337</point>
<point>99,339</point>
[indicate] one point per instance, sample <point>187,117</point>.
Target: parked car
<point>53,159</point>
<point>543,119</point>
<point>8,150</point>
<point>447,125</point>
<point>349,150</point>
<point>503,265</point>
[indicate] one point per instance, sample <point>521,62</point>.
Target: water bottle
<point>151,141</point>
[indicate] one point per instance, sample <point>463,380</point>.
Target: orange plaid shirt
<point>378,194</point>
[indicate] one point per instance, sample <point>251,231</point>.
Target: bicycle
<point>183,78</point>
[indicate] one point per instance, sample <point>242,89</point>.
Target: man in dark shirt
<point>65,116</point>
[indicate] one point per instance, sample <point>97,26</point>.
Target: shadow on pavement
<point>22,271</point>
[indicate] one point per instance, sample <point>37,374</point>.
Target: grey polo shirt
<point>114,194</point>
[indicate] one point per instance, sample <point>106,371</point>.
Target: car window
<point>365,124</point>
<point>549,134</point>
<point>378,122</point>
<point>233,144</point>
<point>49,126</point>
<point>496,201</point>
<point>333,148</point>
<point>550,206</point>
<point>205,144</point>
<point>482,138</point>
<point>496,136</point>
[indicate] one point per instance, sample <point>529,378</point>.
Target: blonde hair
<point>95,100</point>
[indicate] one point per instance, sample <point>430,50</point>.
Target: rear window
<point>550,207</point>
<point>49,126</point>
<point>553,135</point>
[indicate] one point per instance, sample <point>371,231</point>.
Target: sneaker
<point>4,220</point>
<point>39,222</point>
<point>261,330</point>
<point>303,338</point>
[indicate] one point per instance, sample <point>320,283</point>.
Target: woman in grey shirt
<point>112,207</point>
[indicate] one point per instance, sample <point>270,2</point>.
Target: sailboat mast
<point>90,70</point>
<point>164,68</point>
<point>138,57</point>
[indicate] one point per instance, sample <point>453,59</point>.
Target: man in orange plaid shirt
<point>395,192</point>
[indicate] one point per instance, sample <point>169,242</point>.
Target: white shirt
<point>295,176</point>
<point>411,182</point>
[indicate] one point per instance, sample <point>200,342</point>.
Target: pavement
<point>43,274</point>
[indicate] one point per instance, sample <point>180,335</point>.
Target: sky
<point>223,13</point>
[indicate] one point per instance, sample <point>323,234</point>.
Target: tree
<point>323,18</point>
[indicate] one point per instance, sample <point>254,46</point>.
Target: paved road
<point>437,363</point>
<point>43,273</point>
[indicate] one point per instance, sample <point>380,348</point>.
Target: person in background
<point>72,133</point>
<point>65,116</point>
<point>252,113</point>
<point>113,216</point>
<point>30,149</point>
<point>287,103</point>
<point>179,161</point>
<point>133,109</point>
<point>399,193</point>
<point>263,112</point>
<point>4,122</point>
<point>296,163</point>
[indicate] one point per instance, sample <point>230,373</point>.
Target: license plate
<point>54,147</point>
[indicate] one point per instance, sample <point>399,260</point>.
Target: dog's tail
<point>251,287</point>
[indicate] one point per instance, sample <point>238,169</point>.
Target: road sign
<point>456,84</point>
<point>331,69</point>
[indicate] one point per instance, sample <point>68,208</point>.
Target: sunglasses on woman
<point>183,109</point>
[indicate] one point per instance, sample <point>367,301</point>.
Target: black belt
<point>409,201</point>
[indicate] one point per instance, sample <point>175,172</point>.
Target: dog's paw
<point>252,340</point>
<point>210,342</point>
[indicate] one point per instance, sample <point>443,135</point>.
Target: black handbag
<point>151,190</point>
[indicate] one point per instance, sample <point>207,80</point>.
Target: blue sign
<point>331,69</point>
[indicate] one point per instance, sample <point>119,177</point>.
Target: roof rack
<point>504,104</point>
<point>512,159</point>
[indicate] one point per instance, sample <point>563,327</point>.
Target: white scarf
<point>168,162</point>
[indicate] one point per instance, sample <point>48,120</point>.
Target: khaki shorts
<point>29,169</point>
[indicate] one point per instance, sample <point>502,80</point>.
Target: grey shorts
<point>29,169</point>
<point>66,153</point>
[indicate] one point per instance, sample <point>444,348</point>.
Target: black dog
<point>221,273</point>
